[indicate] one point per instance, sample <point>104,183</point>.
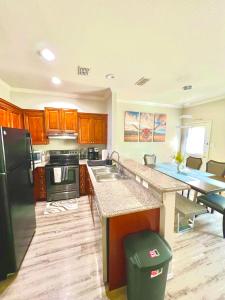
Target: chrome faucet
<point>118,155</point>
<point>119,167</point>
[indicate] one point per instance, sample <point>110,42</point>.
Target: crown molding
<point>77,96</point>
<point>203,101</point>
<point>2,82</point>
<point>149,103</point>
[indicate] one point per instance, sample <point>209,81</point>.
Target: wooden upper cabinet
<point>4,117</point>
<point>10,115</point>
<point>69,120</point>
<point>52,119</point>
<point>16,119</point>
<point>34,121</point>
<point>60,120</point>
<point>85,129</point>
<point>100,129</point>
<point>92,128</point>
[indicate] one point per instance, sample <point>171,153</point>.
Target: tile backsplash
<point>55,144</point>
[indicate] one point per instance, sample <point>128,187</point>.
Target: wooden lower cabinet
<point>118,228</point>
<point>83,180</point>
<point>39,184</point>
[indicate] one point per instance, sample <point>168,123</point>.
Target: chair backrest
<point>149,159</point>
<point>194,162</point>
<point>216,167</point>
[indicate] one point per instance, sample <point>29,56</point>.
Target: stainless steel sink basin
<point>104,174</point>
<point>109,177</point>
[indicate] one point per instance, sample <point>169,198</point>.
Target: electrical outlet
<point>145,184</point>
<point>138,179</point>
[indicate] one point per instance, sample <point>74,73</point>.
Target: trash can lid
<point>147,249</point>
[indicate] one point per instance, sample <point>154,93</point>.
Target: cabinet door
<point>35,122</point>
<point>16,119</point>
<point>4,117</point>
<point>53,119</point>
<point>83,180</point>
<point>69,120</point>
<point>100,129</point>
<point>39,184</point>
<point>85,129</point>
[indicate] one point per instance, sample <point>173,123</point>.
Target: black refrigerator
<point>17,207</point>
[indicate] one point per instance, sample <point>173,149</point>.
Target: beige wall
<point>136,150</point>
<point>215,112</point>
<point>39,101</point>
<point>4,90</point>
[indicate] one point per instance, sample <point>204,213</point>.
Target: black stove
<point>63,158</point>
<point>62,175</point>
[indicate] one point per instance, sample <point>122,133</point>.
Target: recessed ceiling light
<point>56,80</point>
<point>187,87</point>
<point>110,76</point>
<point>47,54</point>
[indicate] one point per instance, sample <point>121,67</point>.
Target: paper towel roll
<point>104,154</point>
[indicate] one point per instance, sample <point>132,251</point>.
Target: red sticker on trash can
<point>154,253</point>
<point>156,273</point>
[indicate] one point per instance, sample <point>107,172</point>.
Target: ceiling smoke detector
<point>187,87</point>
<point>142,81</point>
<point>82,71</point>
<point>110,76</point>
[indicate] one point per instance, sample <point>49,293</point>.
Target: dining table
<point>200,181</point>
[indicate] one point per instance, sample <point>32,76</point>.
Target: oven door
<point>62,182</point>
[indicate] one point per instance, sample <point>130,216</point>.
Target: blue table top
<point>190,176</point>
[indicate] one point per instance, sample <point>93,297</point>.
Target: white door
<point>197,140</point>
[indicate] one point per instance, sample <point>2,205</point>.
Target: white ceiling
<point>173,42</point>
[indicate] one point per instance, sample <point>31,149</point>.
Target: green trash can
<point>147,260</point>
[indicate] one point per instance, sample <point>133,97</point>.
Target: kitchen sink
<point>105,174</point>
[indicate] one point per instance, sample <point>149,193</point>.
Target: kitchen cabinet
<point>16,119</point>
<point>69,120</point>
<point>92,128</point>
<point>10,115</point>
<point>58,120</point>
<point>83,180</point>
<point>34,121</point>
<point>39,184</point>
<point>4,116</point>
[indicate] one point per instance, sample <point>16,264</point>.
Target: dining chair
<point>149,159</point>
<point>194,162</point>
<point>215,202</point>
<point>216,167</point>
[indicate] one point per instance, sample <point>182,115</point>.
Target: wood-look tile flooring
<point>64,261</point>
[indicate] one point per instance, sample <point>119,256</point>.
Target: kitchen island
<point>143,200</point>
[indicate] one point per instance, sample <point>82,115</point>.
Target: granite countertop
<point>156,179</point>
<point>41,164</point>
<point>122,197</point>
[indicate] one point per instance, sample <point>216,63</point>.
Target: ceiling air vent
<point>82,71</point>
<point>187,87</point>
<point>142,81</point>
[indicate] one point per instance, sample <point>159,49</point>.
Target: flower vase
<point>179,168</point>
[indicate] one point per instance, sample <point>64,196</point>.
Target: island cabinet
<point>92,128</point>
<point>83,180</point>
<point>40,193</point>
<point>118,228</point>
<point>58,120</point>
<point>10,115</point>
<point>34,121</point>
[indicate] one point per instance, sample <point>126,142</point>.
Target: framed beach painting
<point>146,127</point>
<point>159,134</point>
<point>131,126</point>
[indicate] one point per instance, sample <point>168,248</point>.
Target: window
<point>195,141</point>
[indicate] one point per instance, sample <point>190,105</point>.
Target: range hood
<point>63,136</point>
